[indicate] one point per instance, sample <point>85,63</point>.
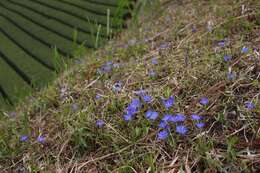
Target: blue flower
<point>147,98</point>
<point>196,117</point>
<point>221,43</point>
<point>117,86</point>
<point>200,125</point>
<point>154,61</point>
<point>163,124</point>
<point>227,58</point>
<point>167,118</point>
<point>100,123</point>
<point>24,138</point>
<point>136,103</point>
<point>168,102</point>
<point>249,105</point>
<point>162,135</point>
<point>231,76</point>
<point>181,129</point>
<point>152,73</point>
<point>178,118</point>
<point>151,115</point>
<point>204,101</point>
<point>41,139</point>
<point>164,46</point>
<point>244,49</point>
<point>98,96</point>
<point>128,117</point>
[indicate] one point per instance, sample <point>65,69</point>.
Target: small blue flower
<point>136,103</point>
<point>117,86</point>
<point>227,58</point>
<point>41,139</point>
<point>162,135</point>
<point>244,49</point>
<point>163,124</point>
<point>147,98</point>
<point>128,117</point>
<point>195,117</point>
<point>100,123</point>
<point>178,118</point>
<point>98,96</point>
<point>221,43</point>
<point>231,76</point>
<point>24,138</point>
<point>154,61</point>
<point>193,29</point>
<point>151,115</point>
<point>181,129</point>
<point>200,125</point>
<point>164,46</point>
<point>152,73</point>
<point>167,118</point>
<point>168,102</point>
<point>249,105</point>
<point>204,101</point>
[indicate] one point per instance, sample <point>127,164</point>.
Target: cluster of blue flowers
<point>41,139</point>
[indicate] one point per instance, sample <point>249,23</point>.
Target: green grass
<point>190,66</point>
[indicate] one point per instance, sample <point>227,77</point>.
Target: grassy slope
<point>190,66</point>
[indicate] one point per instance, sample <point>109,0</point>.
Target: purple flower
<point>164,46</point>
<point>178,118</point>
<point>147,98</point>
<point>151,115</point>
<point>136,103</point>
<point>154,61</point>
<point>24,138</point>
<point>167,117</point>
<point>168,102</point>
<point>221,43</point>
<point>244,49</point>
<point>200,125</point>
<point>98,96</point>
<point>117,86</point>
<point>231,76</point>
<point>100,123</point>
<point>196,117</point>
<point>152,73</point>
<point>163,124</point>
<point>128,117</point>
<point>181,129</point>
<point>204,101</point>
<point>227,58</point>
<point>41,139</point>
<point>249,105</point>
<point>162,135</point>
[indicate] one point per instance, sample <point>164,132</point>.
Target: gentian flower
<point>162,135</point>
<point>227,58</point>
<point>181,129</point>
<point>117,86</point>
<point>41,139</point>
<point>249,105</point>
<point>98,96</point>
<point>164,46</point>
<point>204,101</point>
<point>128,117</point>
<point>244,49</point>
<point>195,117</point>
<point>151,115</point>
<point>147,98</point>
<point>231,76</point>
<point>221,43</point>
<point>154,61</point>
<point>167,118</point>
<point>152,73</point>
<point>200,125</point>
<point>100,123</point>
<point>23,138</point>
<point>168,102</point>
<point>163,124</point>
<point>178,118</point>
